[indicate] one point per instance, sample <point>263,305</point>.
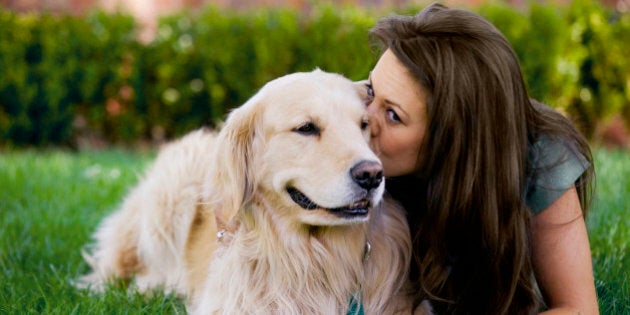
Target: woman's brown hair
<point>466,204</point>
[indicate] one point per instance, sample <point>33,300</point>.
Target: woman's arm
<point>562,257</point>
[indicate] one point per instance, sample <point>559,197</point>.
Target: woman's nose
<point>375,125</point>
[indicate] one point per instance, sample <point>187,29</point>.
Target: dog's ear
<point>234,179</point>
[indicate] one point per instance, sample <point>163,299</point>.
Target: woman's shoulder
<point>554,166</point>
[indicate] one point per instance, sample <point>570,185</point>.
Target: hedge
<point>57,68</point>
<point>574,58</point>
<point>65,78</point>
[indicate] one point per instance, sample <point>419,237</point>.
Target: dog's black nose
<point>367,174</point>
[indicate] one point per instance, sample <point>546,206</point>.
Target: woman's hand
<point>562,257</point>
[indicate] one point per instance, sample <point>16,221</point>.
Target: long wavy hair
<point>467,211</point>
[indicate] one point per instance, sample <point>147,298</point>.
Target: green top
<point>555,166</point>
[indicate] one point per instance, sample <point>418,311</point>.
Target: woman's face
<point>398,118</point>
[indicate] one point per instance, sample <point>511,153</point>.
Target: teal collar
<point>355,307</point>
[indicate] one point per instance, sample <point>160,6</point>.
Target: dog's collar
<point>225,228</point>
<point>367,252</point>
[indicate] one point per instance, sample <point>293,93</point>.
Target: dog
<point>280,212</point>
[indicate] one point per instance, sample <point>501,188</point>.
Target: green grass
<point>609,231</point>
<point>51,201</point>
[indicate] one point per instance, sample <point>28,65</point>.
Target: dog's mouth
<point>356,209</point>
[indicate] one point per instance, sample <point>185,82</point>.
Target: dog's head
<point>302,142</point>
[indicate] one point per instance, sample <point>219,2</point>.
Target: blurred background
<point>101,73</point>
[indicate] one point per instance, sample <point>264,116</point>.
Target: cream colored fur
<point>274,257</point>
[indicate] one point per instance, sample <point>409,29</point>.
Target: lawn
<point>50,202</point>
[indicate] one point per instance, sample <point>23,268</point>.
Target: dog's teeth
<point>359,204</point>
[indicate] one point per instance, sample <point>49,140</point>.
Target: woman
<point>496,185</point>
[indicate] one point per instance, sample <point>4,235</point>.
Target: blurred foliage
<point>56,68</point>
<point>573,57</point>
<point>66,77</point>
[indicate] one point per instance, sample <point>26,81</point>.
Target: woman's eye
<point>370,94</point>
<point>307,129</point>
<point>370,90</point>
<point>392,116</point>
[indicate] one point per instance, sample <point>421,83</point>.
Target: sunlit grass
<point>609,231</point>
<point>51,201</point>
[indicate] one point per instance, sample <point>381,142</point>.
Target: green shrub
<point>199,67</point>
<point>605,70</point>
<point>54,69</point>
<point>572,57</point>
<point>65,77</point>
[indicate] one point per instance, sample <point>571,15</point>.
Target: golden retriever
<point>281,212</point>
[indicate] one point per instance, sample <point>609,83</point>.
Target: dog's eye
<point>309,129</point>
<point>364,124</point>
